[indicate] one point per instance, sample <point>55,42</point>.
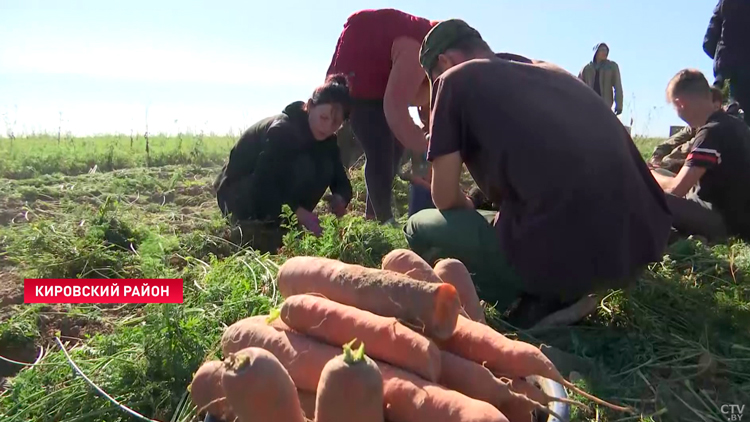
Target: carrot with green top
<point>258,387</point>
<point>431,308</point>
<point>406,396</point>
<point>350,389</point>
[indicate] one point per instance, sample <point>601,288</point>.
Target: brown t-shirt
<point>578,203</point>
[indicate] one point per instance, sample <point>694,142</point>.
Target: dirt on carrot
<point>350,389</point>
<point>258,388</point>
<point>207,393</point>
<point>506,357</point>
<point>454,272</point>
<point>387,339</point>
<point>431,308</point>
<point>409,263</point>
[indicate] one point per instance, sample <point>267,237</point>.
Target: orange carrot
<point>506,357</point>
<point>454,272</point>
<point>207,393</point>
<point>307,402</point>
<point>386,339</point>
<point>303,357</point>
<point>350,389</point>
<point>430,308</point>
<point>407,397</point>
<point>258,387</point>
<point>409,263</point>
<point>476,381</point>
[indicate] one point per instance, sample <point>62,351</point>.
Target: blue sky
<point>101,66</point>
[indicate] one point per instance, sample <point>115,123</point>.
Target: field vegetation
<point>676,346</point>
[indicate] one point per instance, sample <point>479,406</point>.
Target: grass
<point>676,346</point>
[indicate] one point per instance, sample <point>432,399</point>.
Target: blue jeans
<point>420,198</point>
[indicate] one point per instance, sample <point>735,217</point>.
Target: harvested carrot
<point>307,402</point>
<point>302,356</point>
<point>476,381</point>
<point>523,412</point>
<point>207,393</point>
<point>454,272</point>
<point>387,339</point>
<point>506,357</point>
<point>350,389</point>
<point>258,387</point>
<point>407,397</point>
<point>431,308</point>
<point>409,263</point>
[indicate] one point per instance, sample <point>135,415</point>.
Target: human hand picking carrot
<point>337,204</point>
<point>309,220</point>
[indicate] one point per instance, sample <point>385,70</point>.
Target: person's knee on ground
<point>420,199</point>
<point>465,235</point>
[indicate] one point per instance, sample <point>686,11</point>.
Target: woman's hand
<point>337,205</point>
<point>309,220</point>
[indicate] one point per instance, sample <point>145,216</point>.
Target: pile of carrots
<point>405,343</point>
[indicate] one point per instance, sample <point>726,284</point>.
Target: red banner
<point>60,290</point>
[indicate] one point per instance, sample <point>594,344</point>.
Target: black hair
<point>335,90</point>
<point>470,45</point>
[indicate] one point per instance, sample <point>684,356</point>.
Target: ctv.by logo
<point>733,412</point>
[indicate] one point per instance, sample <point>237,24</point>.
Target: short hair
<point>469,46</point>
<point>690,82</point>
<point>717,95</point>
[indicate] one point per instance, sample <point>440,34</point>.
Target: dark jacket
<point>727,39</point>
<point>277,161</point>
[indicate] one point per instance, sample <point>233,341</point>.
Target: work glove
<point>337,205</point>
<point>309,221</point>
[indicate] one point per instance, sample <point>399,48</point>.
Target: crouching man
<point>710,195</point>
<point>592,220</point>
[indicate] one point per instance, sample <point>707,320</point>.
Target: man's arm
<point>403,85</point>
<point>666,147</point>
<point>681,184</point>
<point>704,156</point>
<point>446,124</point>
<point>713,32</point>
<point>446,190</point>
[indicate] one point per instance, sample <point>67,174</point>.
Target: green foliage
<point>674,346</point>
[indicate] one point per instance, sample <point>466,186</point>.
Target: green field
<point>676,347</point>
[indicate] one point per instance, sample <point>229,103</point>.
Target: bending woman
<point>291,158</point>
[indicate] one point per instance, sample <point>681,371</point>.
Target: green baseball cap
<point>441,37</point>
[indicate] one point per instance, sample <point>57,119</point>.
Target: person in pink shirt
<point>378,51</point>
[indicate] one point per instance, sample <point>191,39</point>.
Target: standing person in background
<point>603,76</point>
<point>378,51</point>
<point>727,42</point>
